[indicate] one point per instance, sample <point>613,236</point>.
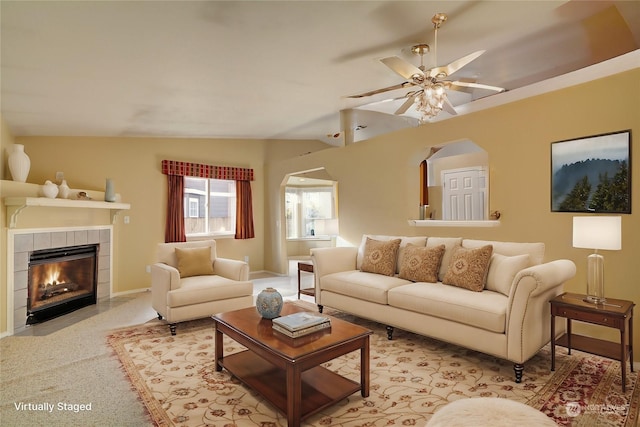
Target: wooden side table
<point>613,313</point>
<point>307,267</point>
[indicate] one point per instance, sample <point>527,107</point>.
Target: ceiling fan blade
<point>402,67</point>
<point>407,104</point>
<point>385,89</point>
<point>448,106</point>
<point>447,70</point>
<point>475,86</point>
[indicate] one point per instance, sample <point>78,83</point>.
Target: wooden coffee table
<point>287,371</point>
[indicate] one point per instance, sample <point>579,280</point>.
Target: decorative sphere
<point>269,303</point>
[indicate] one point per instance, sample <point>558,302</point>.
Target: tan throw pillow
<point>194,261</point>
<point>468,268</point>
<point>421,264</point>
<point>503,269</point>
<point>380,257</point>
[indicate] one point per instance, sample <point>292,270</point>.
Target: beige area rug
<point>411,378</point>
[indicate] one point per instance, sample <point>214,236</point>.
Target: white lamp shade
<point>327,227</point>
<point>597,232</point>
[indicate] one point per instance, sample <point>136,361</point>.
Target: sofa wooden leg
<point>159,316</point>
<point>389,332</point>
<point>320,308</point>
<point>172,327</point>
<point>519,369</point>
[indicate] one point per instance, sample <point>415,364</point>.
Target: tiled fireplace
<point>24,243</point>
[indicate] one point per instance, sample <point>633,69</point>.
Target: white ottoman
<point>488,411</point>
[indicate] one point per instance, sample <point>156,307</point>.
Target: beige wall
<point>378,179</point>
<point>6,142</point>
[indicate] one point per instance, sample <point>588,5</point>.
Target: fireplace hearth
<point>61,280</point>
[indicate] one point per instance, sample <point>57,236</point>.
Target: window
<point>209,206</point>
<point>194,207</point>
<point>303,206</point>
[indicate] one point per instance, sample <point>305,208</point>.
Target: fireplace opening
<point>61,280</point>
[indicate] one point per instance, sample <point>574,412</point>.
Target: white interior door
<point>464,194</point>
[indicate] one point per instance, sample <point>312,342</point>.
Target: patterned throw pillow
<point>380,257</point>
<point>421,264</point>
<point>468,268</point>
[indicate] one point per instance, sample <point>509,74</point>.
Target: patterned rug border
<point>154,328</point>
<point>118,339</point>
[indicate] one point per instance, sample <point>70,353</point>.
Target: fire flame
<point>50,275</point>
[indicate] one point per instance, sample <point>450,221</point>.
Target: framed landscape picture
<point>592,174</point>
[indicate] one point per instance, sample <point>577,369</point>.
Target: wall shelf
<point>18,204</point>
<point>442,223</point>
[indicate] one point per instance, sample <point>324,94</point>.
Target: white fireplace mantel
<point>17,204</point>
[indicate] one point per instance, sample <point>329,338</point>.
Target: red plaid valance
<point>172,167</point>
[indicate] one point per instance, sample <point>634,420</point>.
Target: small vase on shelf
<point>269,303</point>
<point>19,163</point>
<point>109,193</point>
<point>64,190</point>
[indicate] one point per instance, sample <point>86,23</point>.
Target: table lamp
<point>597,232</point>
<point>327,227</point>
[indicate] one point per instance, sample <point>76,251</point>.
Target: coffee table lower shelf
<point>321,387</point>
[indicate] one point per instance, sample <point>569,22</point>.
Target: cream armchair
<point>190,282</point>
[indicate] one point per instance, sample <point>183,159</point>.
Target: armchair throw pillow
<point>421,264</point>
<point>194,261</point>
<point>380,257</point>
<point>468,268</point>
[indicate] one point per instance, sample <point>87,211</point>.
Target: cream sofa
<point>509,318</point>
<point>213,284</point>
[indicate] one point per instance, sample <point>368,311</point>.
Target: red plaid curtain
<point>174,227</point>
<point>175,172</point>
<point>244,211</point>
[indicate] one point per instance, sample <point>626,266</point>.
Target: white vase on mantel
<point>64,190</point>
<point>19,163</point>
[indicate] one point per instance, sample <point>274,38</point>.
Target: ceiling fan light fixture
<point>430,101</point>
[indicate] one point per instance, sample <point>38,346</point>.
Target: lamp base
<point>594,300</point>
<point>595,279</point>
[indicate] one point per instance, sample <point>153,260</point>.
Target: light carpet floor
<point>66,362</point>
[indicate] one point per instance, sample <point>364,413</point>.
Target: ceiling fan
<point>430,84</point>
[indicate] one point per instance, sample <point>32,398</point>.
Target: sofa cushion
<point>380,257</point>
<point>199,289</point>
<point>194,261</point>
<point>503,269</point>
<point>468,268</point>
<point>486,309</point>
<point>450,243</point>
<point>421,264</point>
<point>361,285</point>
<point>404,241</point>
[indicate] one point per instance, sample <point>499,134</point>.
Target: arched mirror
<point>457,180</point>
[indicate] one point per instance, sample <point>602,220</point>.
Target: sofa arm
<point>165,275</point>
<point>231,269</point>
<point>164,278</point>
<point>332,260</point>
<point>529,314</point>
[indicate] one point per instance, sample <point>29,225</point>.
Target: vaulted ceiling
<point>274,69</point>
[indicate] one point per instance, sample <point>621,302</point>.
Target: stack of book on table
<point>300,324</point>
